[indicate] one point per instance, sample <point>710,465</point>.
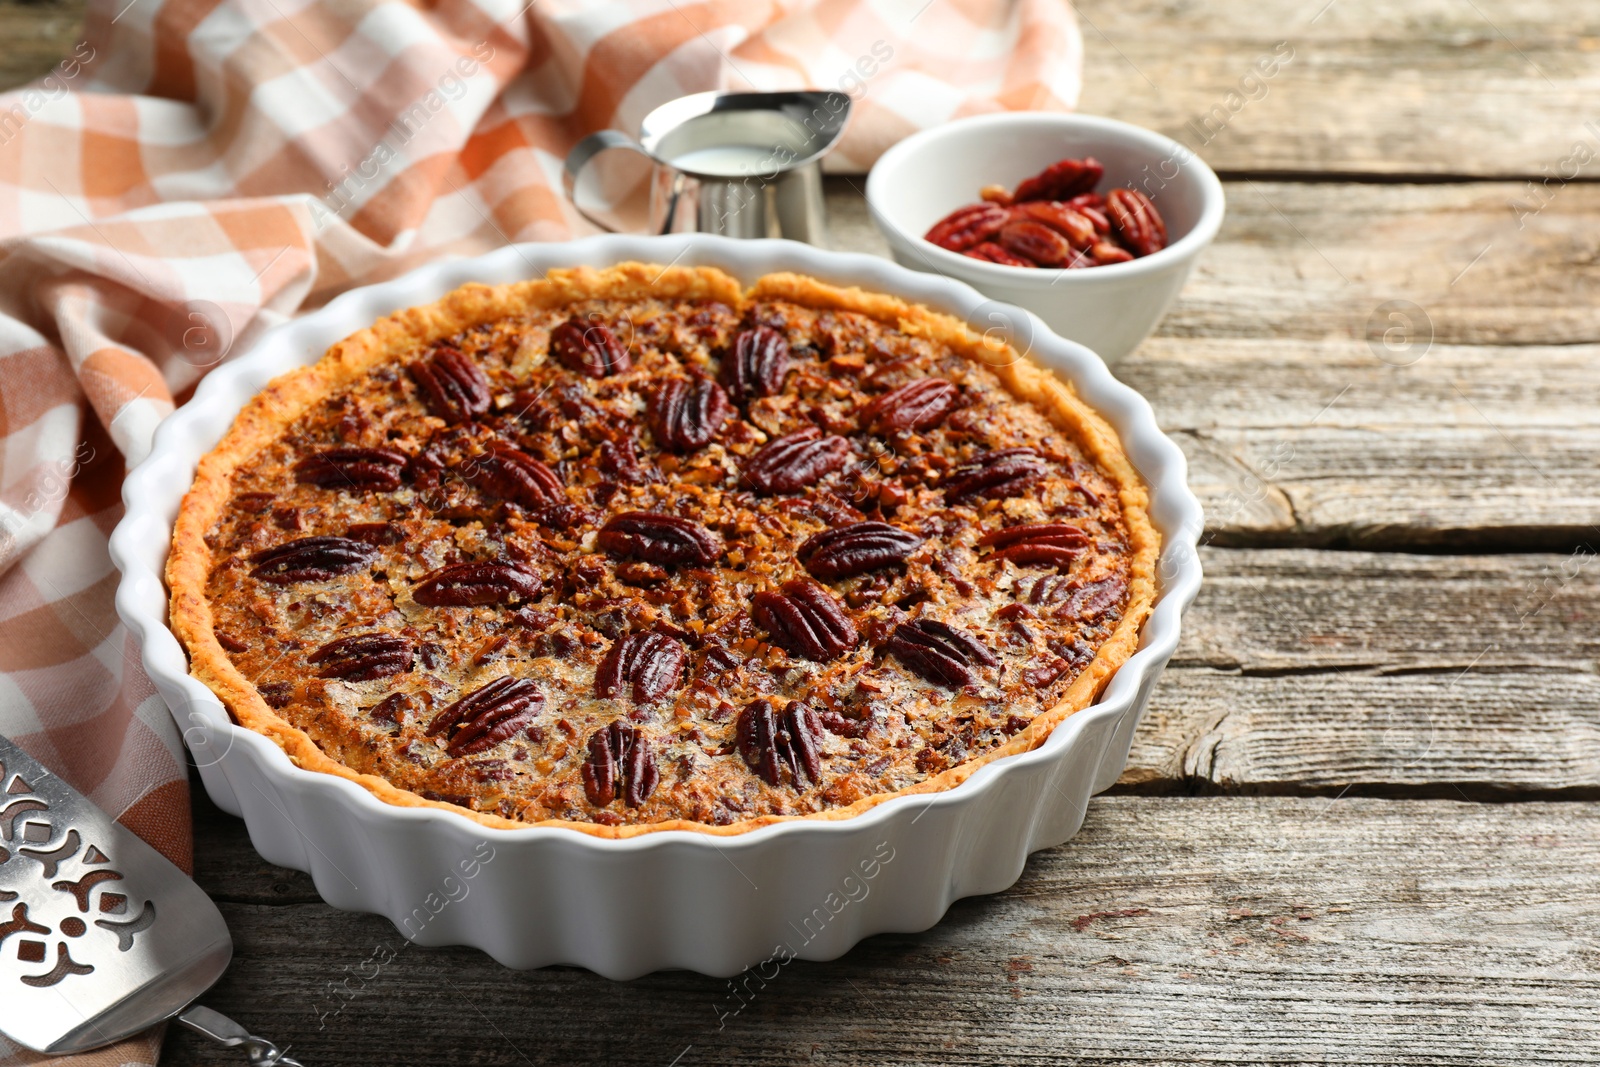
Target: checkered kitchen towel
<point>195,171</point>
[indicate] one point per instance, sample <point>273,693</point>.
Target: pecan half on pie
<point>638,549</point>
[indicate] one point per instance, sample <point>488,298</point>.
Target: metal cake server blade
<point>100,936</point>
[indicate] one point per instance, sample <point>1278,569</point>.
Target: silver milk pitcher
<point>736,164</point>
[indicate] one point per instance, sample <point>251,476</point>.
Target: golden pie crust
<point>892,327</point>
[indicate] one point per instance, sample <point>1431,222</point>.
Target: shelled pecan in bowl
<point>1054,219</point>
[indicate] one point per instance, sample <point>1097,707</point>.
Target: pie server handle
<point>223,1030</point>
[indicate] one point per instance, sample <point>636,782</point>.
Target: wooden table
<point>1359,824</point>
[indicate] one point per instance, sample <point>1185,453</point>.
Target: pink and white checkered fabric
<point>196,171</point>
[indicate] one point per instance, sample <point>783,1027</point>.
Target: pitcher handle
<point>579,157</point>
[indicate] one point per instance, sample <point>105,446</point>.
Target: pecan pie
<point>639,549</point>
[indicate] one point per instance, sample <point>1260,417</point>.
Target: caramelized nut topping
<point>996,475</point>
<point>230,642</point>
<point>846,551</point>
<point>664,539</point>
<point>362,657</point>
<point>757,364</point>
<point>647,666</point>
<point>939,653</point>
<point>685,413</point>
<point>488,715</point>
<point>455,387</point>
<point>1079,600</point>
<point>1089,602</point>
<point>395,708</point>
<point>512,474</point>
<point>685,560</point>
<point>1053,543</point>
<point>589,348</point>
<point>310,559</point>
<point>621,762</point>
<point>793,462</point>
<point>918,405</point>
<point>773,743</point>
<point>276,694</point>
<point>476,584</point>
<point>806,620</point>
<point>376,533</point>
<point>352,468</point>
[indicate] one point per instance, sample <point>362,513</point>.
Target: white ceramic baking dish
<point>539,896</point>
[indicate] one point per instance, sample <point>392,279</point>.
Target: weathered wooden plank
<point>1170,930</point>
<point>37,36</point>
<point>1482,262</point>
<point>1206,384</point>
<point>1471,733</point>
<point>1298,611</point>
<point>1446,489</point>
<point>1492,87</point>
<point>1320,671</point>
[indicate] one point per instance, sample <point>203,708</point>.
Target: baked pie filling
<point>636,549</point>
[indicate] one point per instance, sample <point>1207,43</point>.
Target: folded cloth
<point>195,171</point>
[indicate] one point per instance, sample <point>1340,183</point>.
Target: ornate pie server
<point>100,936</point>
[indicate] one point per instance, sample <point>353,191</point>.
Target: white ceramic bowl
<point>1110,309</point>
<point>538,896</point>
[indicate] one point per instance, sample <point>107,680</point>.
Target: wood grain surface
<point>1391,674</point>
<point>1437,88</point>
<point>37,35</point>
<point>1169,931</point>
<point>1359,822</point>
